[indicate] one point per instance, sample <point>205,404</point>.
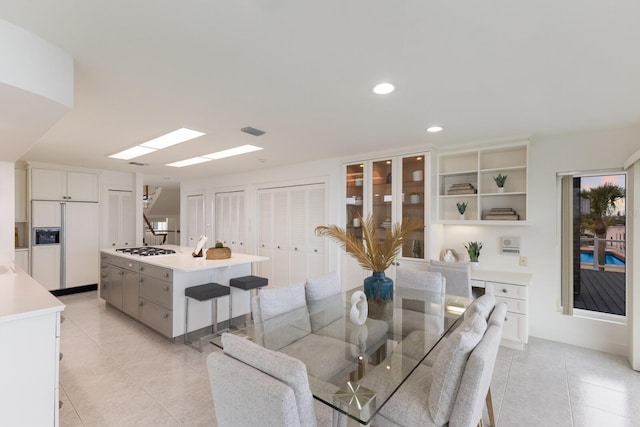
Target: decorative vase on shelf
<point>379,291</point>
<point>475,265</point>
<point>500,189</point>
<point>462,217</point>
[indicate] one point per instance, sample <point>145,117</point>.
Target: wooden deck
<point>602,291</point>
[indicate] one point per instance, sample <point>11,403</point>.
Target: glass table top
<point>355,369</point>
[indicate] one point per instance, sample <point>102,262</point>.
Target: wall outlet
<point>522,262</point>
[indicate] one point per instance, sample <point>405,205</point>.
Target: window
<point>594,244</point>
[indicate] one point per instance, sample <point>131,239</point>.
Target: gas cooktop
<point>146,251</point>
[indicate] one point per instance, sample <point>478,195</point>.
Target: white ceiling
<point>303,70</point>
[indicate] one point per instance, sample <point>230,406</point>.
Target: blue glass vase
<point>379,291</point>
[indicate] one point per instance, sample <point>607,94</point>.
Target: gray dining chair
<point>457,275</point>
<point>452,392</point>
<point>252,386</point>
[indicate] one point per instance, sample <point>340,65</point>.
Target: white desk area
<point>513,289</point>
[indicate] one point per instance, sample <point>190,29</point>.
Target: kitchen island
<point>29,360</point>
<point>151,288</point>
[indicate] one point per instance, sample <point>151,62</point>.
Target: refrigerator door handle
<point>63,244</point>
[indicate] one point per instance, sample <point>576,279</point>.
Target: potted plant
<point>473,249</point>
<point>462,207</point>
<point>500,180</point>
<point>374,254</point>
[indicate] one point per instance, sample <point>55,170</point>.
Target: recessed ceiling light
<point>132,152</point>
<point>172,138</point>
<point>188,162</point>
<point>435,129</point>
<point>383,88</point>
<point>243,149</point>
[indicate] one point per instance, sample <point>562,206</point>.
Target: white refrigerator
<point>75,260</point>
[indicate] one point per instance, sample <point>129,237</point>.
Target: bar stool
<point>206,292</point>
<point>249,283</point>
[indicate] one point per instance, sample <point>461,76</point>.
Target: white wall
<point>541,238</point>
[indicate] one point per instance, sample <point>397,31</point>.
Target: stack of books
<point>464,188</point>
<point>502,214</point>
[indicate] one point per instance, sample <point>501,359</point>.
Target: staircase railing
<point>160,238</point>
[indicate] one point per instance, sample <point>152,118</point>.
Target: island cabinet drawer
<point>157,272</point>
<point>156,317</point>
<point>506,290</point>
<point>156,290</point>
<point>513,305</point>
<point>130,265</point>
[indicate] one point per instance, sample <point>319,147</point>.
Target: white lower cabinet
<point>512,289</point>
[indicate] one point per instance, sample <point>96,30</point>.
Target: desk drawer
<point>477,283</point>
<point>158,291</point>
<point>513,305</point>
<point>130,265</point>
<point>506,290</point>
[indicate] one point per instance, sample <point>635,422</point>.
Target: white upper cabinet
<point>467,181</point>
<point>48,184</point>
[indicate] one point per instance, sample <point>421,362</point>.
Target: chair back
<point>252,386</point>
<point>470,398</point>
<point>457,275</point>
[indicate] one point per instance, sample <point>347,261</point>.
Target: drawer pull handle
<point>141,268</point>
<point>61,356</point>
<point>166,315</point>
<point>166,288</point>
<point>141,280</point>
<point>140,304</point>
<point>166,275</point>
<point>504,291</point>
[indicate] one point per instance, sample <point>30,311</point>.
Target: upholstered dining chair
<point>457,275</point>
<point>421,294</point>
<point>254,386</point>
<point>451,392</point>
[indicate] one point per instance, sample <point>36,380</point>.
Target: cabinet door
<point>22,260</point>
<point>116,286</point>
<point>21,195</point>
<point>127,235</point>
<point>413,203</point>
<point>48,184</point>
<point>45,266</point>
<point>130,293</point>
<point>265,231</point>
<point>382,196</point>
<point>195,219</point>
<point>81,244</point>
<point>82,187</point>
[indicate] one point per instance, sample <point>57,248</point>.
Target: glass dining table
<point>355,369</point>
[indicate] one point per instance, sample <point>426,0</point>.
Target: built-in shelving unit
<point>468,177</point>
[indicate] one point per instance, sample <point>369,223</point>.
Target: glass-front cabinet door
<point>382,196</point>
<point>389,189</point>
<point>414,202</point>
<point>355,198</point>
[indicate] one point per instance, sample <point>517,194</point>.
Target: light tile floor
<point>117,372</point>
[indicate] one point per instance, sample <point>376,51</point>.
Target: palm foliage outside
<point>602,205</point>
<point>371,253</point>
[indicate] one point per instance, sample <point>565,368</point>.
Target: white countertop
<point>182,260</point>
<point>516,278</point>
<point>21,296</point>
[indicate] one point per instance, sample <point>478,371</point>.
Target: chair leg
<point>489,401</point>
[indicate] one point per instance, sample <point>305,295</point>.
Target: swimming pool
<point>587,257</point>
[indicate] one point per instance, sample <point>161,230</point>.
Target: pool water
<point>587,257</point>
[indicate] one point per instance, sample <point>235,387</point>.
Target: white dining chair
<point>252,386</point>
